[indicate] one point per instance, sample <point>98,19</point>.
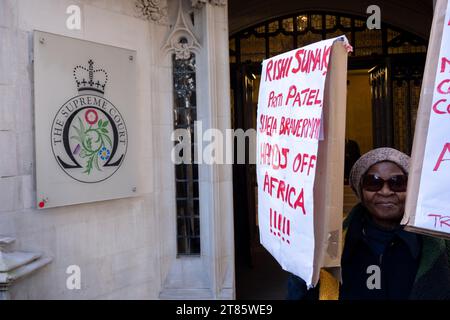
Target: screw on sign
<point>280,226</point>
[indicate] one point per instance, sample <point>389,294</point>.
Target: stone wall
<point>115,243</point>
<point>125,248</point>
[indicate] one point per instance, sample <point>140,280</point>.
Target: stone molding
<point>152,10</point>
<point>16,265</point>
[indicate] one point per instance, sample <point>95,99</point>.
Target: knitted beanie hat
<point>363,164</point>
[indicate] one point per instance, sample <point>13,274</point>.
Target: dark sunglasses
<point>373,183</point>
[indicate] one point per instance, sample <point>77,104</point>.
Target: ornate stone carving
<point>181,39</point>
<point>182,50</point>
<point>152,10</point>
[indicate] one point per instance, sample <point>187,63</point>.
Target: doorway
<point>384,80</point>
<point>258,275</point>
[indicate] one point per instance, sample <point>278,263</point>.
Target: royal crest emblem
<point>89,136</point>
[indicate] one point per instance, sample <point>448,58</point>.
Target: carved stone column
<point>214,67</point>
<point>211,275</point>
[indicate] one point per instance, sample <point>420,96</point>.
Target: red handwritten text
<point>278,69</point>
<point>275,100</point>
<point>280,226</point>
<point>301,160</point>
<point>301,128</point>
<point>274,156</point>
<point>441,156</point>
<point>440,220</point>
<point>441,106</point>
<point>311,60</point>
<point>268,124</point>
<point>305,97</point>
<point>285,192</point>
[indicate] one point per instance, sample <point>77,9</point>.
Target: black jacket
<point>412,266</point>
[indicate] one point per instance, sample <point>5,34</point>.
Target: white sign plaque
<point>85,106</point>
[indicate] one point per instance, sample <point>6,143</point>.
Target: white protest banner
<point>432,211</point>
<point>289,123</point>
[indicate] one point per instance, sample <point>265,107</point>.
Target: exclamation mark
<point>274,220</point>
<point>279,224</point>
<point>284,227</point>
<point>288,230</point>
<point>271,220</point>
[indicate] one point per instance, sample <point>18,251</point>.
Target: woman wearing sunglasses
<point>380,260</point>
